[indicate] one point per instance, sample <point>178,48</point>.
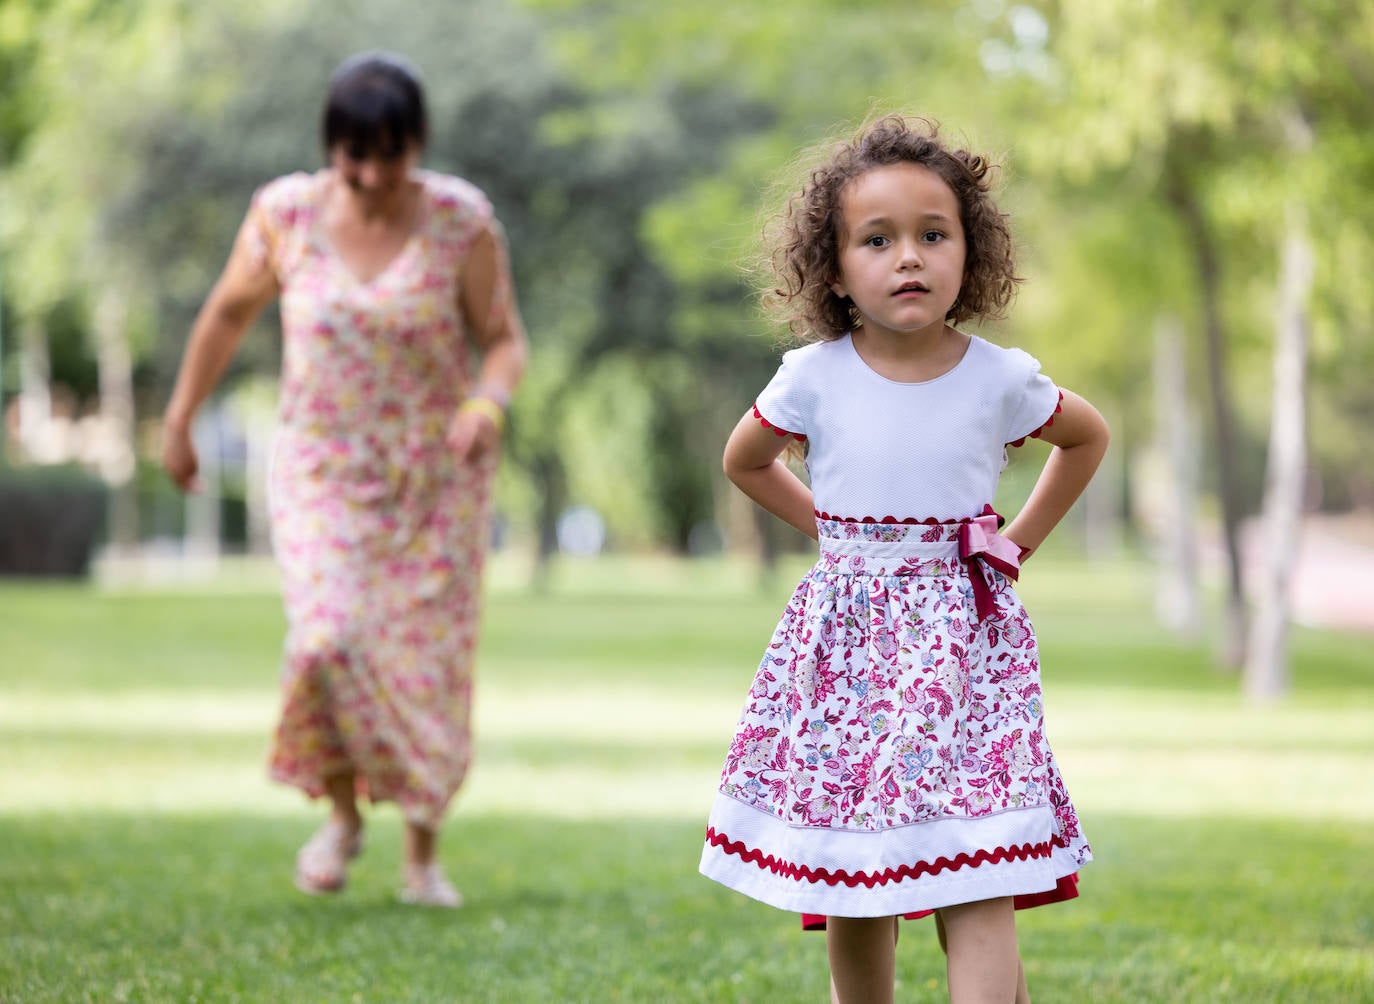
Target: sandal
<point>322,864</point>
<point>426,885</point>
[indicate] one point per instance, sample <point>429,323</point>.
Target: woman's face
<point>370,174</point>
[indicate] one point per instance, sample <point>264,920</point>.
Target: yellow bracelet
<point>486,406</point>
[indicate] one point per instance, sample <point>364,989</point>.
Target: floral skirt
<point>891,757</point>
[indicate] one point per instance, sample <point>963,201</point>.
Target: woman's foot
<point>322,864</point>
<point>426,885</point>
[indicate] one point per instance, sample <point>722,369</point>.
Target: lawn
<point>144,857</point>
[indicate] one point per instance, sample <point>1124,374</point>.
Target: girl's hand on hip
<point>472,435</point>
<point>179,458</point>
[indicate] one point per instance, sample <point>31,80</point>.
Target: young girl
<point>892,758</point>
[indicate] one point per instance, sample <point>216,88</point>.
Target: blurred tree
<point>572,179</point>
<point>628,148</point>
<point>80,72</point>
<point>1181,107</point>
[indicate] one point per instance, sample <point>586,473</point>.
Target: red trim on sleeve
<point>798,436</point>
<point>1058,407</point>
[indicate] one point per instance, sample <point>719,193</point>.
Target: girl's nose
<point>911,255</point>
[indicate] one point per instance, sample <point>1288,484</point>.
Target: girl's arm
<point>487,300</point>
<point>751,462</point>
<point>1079,436</point>
<point>246,285</point>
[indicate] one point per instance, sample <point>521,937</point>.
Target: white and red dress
<point>892,758</point>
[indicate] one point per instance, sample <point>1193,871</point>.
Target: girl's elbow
<point>737,473</point>
<point>1104,433</point>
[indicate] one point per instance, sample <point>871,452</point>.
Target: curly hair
<point>802,244</point>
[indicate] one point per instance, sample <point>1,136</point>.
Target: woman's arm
<point>487,300</point>
<point>1079,436</point>
<point>751,462</point>
<point>246,285</point>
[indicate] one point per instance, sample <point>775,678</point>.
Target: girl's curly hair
<point>802,243</point>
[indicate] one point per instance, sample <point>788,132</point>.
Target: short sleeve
<point>277,216</point>
<point>1033,400</point>
<point>783,405</point>
<point>461,212</point>
<point>258,237</point>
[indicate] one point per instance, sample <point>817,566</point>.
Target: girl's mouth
<point>912,287</point>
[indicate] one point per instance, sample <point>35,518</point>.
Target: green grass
<point>144,857</point>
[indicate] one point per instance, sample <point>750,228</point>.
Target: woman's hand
<point>474,433</point>
<point>246,285</point>
<point>179,457</point>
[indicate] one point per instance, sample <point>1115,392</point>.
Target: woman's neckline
<point>324,178</point>
<point>854,351</point>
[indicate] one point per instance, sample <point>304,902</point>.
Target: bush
<point>51,519</point>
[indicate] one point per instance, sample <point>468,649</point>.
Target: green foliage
<point>631,149</point>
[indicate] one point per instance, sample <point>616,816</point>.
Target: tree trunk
<point>1177,596</point>
<point>116,374</point>
<point>1266,664</point>
<point>201,543</point>
<point>35,392</point>
<point>1185,201</point>
<point>1100,505</point>
<point>552,483</point>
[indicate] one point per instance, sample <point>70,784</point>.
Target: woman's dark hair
<point>803,241</point>
<point>376,104</point>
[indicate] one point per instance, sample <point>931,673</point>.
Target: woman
<point>388,276</point>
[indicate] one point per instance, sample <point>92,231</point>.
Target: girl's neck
<point>910,357</point>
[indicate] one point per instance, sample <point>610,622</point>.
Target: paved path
<point>1333,584</point>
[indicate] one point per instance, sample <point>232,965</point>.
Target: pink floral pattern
<point>883,701</point>
<point>380,532</point>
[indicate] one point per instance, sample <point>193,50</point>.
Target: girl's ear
<point>838,290</point>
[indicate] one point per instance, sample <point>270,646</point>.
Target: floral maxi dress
<point>379,531</point>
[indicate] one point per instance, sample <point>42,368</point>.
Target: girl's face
<point>901,249</point>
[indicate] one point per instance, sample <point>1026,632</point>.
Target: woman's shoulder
<point>451,195</point>
<point>294,189</point>
<point>287,203</point>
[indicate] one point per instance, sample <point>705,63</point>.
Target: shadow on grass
<point>173,908</point>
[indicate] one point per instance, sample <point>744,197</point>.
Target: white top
<point>878,448</point>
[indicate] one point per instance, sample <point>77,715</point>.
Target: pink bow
<point>979,545</point>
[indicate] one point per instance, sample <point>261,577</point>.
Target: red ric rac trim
<point>787,869</point>
<point>798,436</point>
<point>988,510</point>
<point>1058,407</point>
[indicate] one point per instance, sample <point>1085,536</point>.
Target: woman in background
<point>390,277</point>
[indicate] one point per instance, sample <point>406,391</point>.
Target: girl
<point>892,759</point>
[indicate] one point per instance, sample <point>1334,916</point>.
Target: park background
<point>1190,185</point>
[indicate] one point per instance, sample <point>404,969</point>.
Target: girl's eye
<point>932,236</point>
<point>877,241</point>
